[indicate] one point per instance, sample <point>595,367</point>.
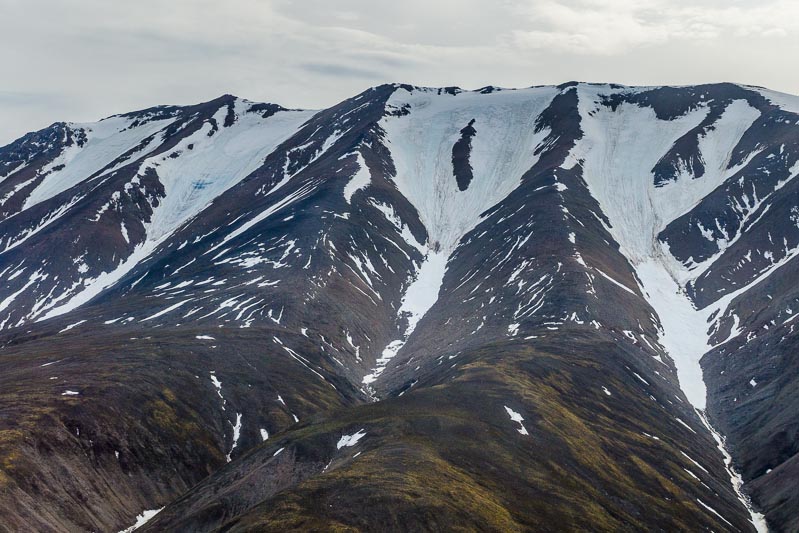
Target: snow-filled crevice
<point>421,146</point>
<point>617,152</point>
<point>419,297</point>
<point>758,519</point>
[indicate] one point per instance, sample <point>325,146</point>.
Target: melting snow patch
<point>350,440</point>
<point>264,434</point>
<point>76,324</point>
<point>205,338</point>
<point>165,311</point>
<point>614,281</point>
<point>388,353</point>
<point>70,393</point>
<point>124,231</point>
<point>686,425</point>
<point>516,417</point>
<point>757,519</point>
<point>142,519</point>
<point>419,297</point>
<point>606,391</point>
<point>694,462</point>
<point>236,435</point>
<point>360,180</point>
<point>692,474</point>
<point>278,452</point>
<point>709,508</point>
<point>218,385</point>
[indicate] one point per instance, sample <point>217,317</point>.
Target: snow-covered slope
<point>171,167</point>
<point>505,146</point>
<point>617,153</point>
<point>193,173</point>
<point>194,177</point>
<point>105,142</point>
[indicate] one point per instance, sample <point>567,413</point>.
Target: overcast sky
<point>80,60</point>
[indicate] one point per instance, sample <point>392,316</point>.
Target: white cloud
<point>607,27</point>
<point>84,59</point>
<point>588,26</point>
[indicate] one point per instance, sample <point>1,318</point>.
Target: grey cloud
<point>31,98</point>
<point>341,71</point>
<point>90,58</point>
<point>384,59</point>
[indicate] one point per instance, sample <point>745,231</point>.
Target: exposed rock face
<point>200,305</point>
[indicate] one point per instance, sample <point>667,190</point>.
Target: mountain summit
<point>555,308</point>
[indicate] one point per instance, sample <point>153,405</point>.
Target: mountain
<point>548,309</point>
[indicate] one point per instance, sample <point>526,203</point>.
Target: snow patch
<point>419,297</point>
<point>236,435</point>
<point>76,324</point>
<point>142,519</point>
<point>360,180</point>
<point>757,519</point>
<point>516,417</point>
<point>350,440</point>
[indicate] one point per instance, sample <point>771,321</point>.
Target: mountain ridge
<point>323,237</point>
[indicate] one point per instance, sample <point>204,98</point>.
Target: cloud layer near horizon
<point>84,59</point>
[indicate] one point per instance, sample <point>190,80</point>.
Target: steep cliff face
<point>555,293</point>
